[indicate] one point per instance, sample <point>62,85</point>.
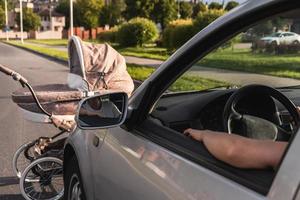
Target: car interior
<point>204,110</point>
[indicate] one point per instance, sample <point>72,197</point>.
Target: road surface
<point>14,130</point>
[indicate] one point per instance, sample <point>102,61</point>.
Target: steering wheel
<point>256,127</point>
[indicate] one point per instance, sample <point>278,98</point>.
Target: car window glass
<point>256,56</point>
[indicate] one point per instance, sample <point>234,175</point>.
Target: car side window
<point>247,58</point>
<point>253,56</point>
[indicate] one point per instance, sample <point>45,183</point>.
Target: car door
<point>288,38</point>
<point>131,167</point>
<point>135,163</point>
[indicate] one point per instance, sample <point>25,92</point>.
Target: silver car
<point>141,153</point>
<point>279,38</point>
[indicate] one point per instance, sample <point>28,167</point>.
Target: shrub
<point>108,36</point>
<point>137,32</point>
<point>177,33</point>
<point>205,18</point>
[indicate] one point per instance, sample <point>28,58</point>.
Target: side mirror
<point>102,111</point>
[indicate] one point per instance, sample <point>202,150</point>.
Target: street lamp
<point>6,20</point>
<point>71,17</point>
<point>21,21</point>
<point>178,9</point>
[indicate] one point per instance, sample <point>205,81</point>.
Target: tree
<point>215,6</point>
<point>138,8</point>
<point>199,7</point>
<point>230,5</point>
<point>64,8</point>
<point>186,10</point>
<point>164,11</point>
<point>2,17</point>
<point>267,27</point>
<point>87,12</point>
<point>31,21</point>
<point>205,18</point>
<point>160,11</point>
<point>112,14</point>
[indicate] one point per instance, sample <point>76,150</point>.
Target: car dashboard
<point>204,110</point>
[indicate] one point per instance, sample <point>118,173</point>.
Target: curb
<point>51,58</point>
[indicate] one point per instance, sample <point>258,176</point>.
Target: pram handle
<point>6,70</point>
<point>16,76</point>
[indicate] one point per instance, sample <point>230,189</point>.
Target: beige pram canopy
<point>94,68</point>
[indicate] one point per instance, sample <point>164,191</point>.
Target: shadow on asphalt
<point>11,197</point>
<point>5,181</point>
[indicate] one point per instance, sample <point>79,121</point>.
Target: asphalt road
<point>14,130</point>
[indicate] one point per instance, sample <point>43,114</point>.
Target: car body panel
<point>287,179</point>
<point>127,166</point>
<point>125,161</point>
<point>138,169</point>
<point>81,141</point>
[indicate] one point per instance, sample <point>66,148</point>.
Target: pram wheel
<point>23,157</point>
<point>43,179</point>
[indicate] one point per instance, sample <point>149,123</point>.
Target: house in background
<point>51,21</point>
<point>52,25</point>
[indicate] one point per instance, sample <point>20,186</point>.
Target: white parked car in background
<point>282,38</point>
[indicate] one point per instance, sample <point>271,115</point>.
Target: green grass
<point>185,83</point>
<point>244,60</point>
<point>47,51</point>
<point>145,52</point>
<point>142,52</point>
<point>137,72</point>
<point>50,42</point>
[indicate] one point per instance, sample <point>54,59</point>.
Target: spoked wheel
<point>23,157</point>
<point>43,180</point>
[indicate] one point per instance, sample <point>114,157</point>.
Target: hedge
<point>177,33</point>
<point>137,32</point>
<point>180,31</point>
<point>108,36</point>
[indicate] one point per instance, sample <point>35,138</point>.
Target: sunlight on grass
<point>50,42</point>
<point>44,50</point>
<point>243,60</point>
<point>185,83</point>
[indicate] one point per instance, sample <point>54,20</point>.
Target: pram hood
<point>93,68</point>
<point>96,67</point>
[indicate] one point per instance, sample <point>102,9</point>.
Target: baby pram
<point>93,69</point>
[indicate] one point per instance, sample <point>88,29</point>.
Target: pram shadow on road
<point>11,197</point>
<point>5,181</point>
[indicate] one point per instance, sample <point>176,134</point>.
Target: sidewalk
<point>233,77</point>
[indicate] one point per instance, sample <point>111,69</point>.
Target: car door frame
<point>251,12</point>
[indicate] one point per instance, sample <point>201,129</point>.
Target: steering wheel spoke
<point>256,127</point>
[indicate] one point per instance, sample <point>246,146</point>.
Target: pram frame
<point>39,144</point>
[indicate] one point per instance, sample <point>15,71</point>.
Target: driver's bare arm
<point>239,151</point>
